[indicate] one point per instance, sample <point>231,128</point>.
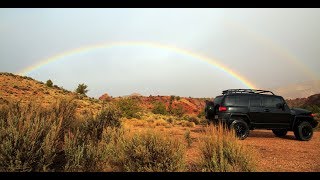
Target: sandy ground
<point>286,153</point>
<point>273,154</point>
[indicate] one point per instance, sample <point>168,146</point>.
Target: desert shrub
<point>148,152</point>
<point>201,114</point>
<point>86,149</point>
<point>36,138</point>
<point>83,155</point>
<point>186,117</point>
<point>172,97</point>
<point>221,152</point>
<point>170,120</point>
<point>55,86</point>
<point>187,137</point>
<point>178,111</point>
<point>313,108</point>
<point>190,124</point>
<point>30,137</point>
<point>129,108</point>
<point>194,119</point>
<point>82,89</point>
<point>178,98</point>
<point>159,108</point>
<point>160,122</point>
<point>108,117</point>
<point>49,83</point>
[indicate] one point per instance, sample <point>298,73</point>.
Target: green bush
<point>108,117</point>
<point>194,119</point>
<point>178,111</point>
<point>313,108</point>
<point>159,108</point>
<point>129,108</point>
<point>83,155</point>
<point>30,136</point>
<point>49,83</point>
<point>170,120</point>
<point>35,138</point>
<point>201,114</point>
<point>172,98</point>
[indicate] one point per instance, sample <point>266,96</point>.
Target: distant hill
<point>25,89</point>
<point>313,100</point>
<point>298,90</point>
<point>190,105</point>
<point>16,88</point>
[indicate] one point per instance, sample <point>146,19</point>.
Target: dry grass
<point>37,138</point>
<point>148,151</point>
<point>222,152</point>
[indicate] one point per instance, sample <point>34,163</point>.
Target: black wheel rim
<point>306,131</point>
<point>240,129</point>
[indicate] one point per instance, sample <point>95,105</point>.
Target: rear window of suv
<point>236,101</point>
<point>217,100</point>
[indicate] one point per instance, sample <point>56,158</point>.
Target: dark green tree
<point>82,89</point>
<point>49,83</point>
<point>159,108</point>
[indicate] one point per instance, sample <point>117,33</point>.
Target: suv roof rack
<point>246,91</point>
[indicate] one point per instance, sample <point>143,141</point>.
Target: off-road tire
<point>303,131</point>
<point>241,128</point>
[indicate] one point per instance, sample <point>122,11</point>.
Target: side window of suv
<point>236,101</point>
<point>271,101</point>
<point>255,101</point>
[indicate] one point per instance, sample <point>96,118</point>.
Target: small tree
<point>159,108</point>
<point>49,83</point>
<point>82,89</point>
<point>129,107</point>
<point>178,111</point>
<point>172,98</point>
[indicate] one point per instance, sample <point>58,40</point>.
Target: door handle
<point>266,110</point>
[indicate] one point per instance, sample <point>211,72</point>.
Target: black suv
<point>248,109</point>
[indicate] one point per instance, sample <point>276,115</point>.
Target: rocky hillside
<point>24,89</point>
<point>189,105</point>
<point>298,90</point>
<point>313,100</point>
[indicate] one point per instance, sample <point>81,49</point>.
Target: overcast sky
<point>268,47</point>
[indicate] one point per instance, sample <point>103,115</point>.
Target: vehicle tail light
<point>222,108</point>
<point>313,115</point>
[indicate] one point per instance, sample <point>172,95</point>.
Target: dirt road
<point>285,154</point>
<point>273,154</point>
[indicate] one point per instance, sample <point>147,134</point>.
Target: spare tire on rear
<point>209,110</point>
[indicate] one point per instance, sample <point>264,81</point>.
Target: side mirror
<point>280,105</point>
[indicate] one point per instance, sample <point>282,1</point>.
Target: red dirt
<point>274,154</point>
<point>285,154</point>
